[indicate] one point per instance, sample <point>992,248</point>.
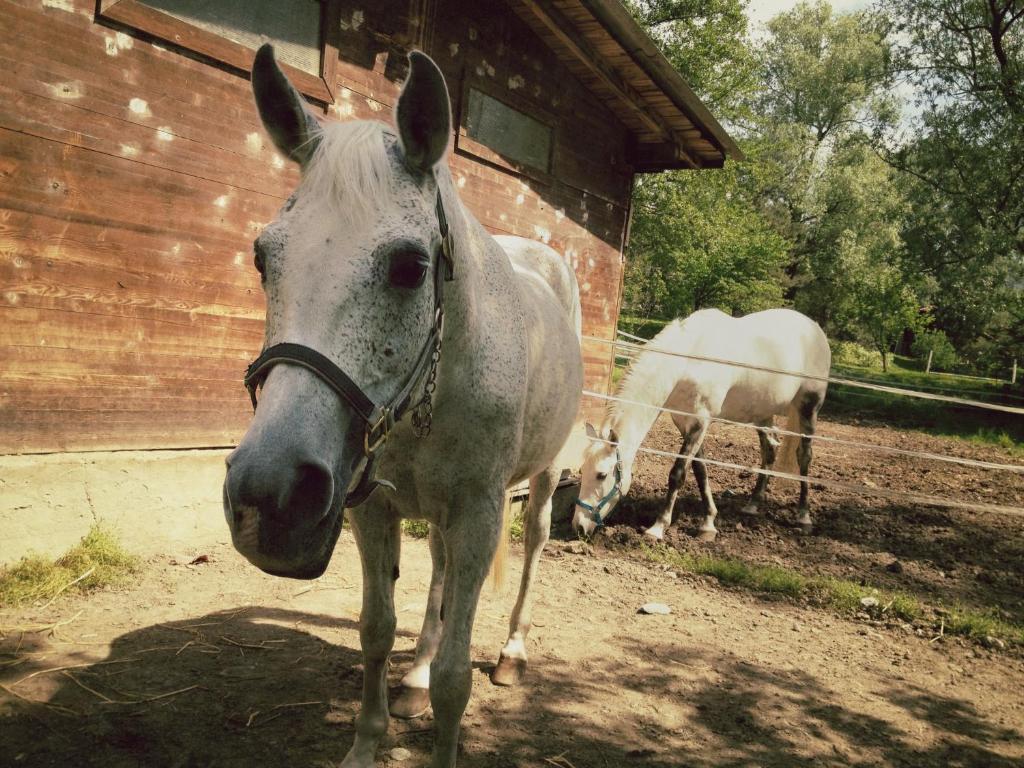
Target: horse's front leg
<point>378,536</point>
<point>470,543</point>
<point>676,476</point>
<point>414,699</point>
<point>707,531</point>
<point>512,662</point>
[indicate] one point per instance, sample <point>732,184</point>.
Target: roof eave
<point>615,18</point>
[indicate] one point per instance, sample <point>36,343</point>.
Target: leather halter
<point>595,509</point>
<point>378,420</point>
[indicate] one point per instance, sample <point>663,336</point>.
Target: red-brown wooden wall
<point>134,178</point>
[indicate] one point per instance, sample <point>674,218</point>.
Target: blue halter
<point>595,509</point>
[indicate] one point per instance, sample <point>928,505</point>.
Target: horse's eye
<point>408,268</point>
<point>602,475</point>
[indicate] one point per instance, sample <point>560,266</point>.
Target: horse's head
<point>349,269</point>
<point>604,479</point>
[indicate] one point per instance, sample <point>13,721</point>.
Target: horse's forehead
<point>598,454</point>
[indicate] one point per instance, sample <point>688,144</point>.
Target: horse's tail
<point>499,565</point>
<point>785,458</point>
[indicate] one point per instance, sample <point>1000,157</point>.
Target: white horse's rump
<point>368,265</point>
<point>777,338</point>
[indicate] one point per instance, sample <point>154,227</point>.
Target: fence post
<point>928,368</point>
<point>1013,379</point>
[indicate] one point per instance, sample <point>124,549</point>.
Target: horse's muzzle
<point>285,517</point>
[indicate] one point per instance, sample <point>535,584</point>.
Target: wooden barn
<point>134,175</point>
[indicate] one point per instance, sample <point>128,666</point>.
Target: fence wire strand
<point>916,498</point>
<point>830,379</point>
<point>823,438</point>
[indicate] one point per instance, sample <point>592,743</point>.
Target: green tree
<point>825,77</point>
<point>962,152</point>
<point>696,242</point>
<point>706,41</point>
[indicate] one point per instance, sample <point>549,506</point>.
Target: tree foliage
<point>873,211</point>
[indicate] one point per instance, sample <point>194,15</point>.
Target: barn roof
<point>601,43</point>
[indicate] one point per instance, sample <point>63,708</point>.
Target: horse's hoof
<point>805,529</point>
<point>655,534</point>
<point>411,702</point>
<point>707,535</point>
<point>508,671</point>
<point>751,509</point>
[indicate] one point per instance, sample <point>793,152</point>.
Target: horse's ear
<point>290,124</point>
<point>612,436</point>
<point>591,432</point>
<point>423,114</point>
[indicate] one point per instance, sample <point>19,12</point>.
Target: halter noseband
<point>595,509</point>
<point>378,419</point>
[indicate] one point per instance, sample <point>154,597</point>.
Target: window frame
<point>136,15</point>
<point>465,144</point>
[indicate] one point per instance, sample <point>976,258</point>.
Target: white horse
<point>777,338</point>
<point>385,298</point>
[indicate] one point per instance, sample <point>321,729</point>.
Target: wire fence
<point>632,351</point>
<point>917,498</point>
<point>803,375</point>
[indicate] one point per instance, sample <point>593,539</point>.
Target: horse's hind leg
<point>768,446</point>
<point>414,698</point>
<point>378,536</point>
<point>804,452</point>
<point>512,662</point>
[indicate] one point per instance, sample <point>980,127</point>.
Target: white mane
<point>351,171</point>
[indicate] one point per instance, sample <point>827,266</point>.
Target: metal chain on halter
<point>423,411</point>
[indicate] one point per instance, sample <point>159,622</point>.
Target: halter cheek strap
<point>595,509</point>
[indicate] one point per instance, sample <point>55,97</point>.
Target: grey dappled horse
<point>386,298</point>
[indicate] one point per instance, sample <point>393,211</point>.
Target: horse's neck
<point>647,388</point>
<point>473,264</point>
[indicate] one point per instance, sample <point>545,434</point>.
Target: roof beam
<point>564,31</point>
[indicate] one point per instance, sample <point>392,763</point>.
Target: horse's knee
<point>377,633</point>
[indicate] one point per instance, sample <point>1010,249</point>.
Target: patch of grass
<point>997,437</point>
<point>946,419</point>
<point>977,625</point>
<point>840,595</point>
<point>98,560</point>
<point>417,529</point>
<point>845,597</point>
<point>420,529</point>
<point>766,579</point>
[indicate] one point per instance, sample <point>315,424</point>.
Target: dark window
<point>508,131</point>
<point>229,31</point>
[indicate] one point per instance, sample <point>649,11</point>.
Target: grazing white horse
<point>385,298</point>
<point>776,338</point>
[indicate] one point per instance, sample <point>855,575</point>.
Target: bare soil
<point>216,664</point>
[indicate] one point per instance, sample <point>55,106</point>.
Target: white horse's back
<point>534,261</point>
<point>779,339</point>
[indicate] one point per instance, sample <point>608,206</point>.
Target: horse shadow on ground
<point>250,686</point>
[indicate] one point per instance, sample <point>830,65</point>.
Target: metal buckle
<point>446,254</point>
<point>378,440</point>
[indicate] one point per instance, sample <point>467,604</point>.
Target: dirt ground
<point>216,664</point>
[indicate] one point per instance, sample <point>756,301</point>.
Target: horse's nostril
<point>313,489</point>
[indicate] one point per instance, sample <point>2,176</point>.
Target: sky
<point>759,11</point>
